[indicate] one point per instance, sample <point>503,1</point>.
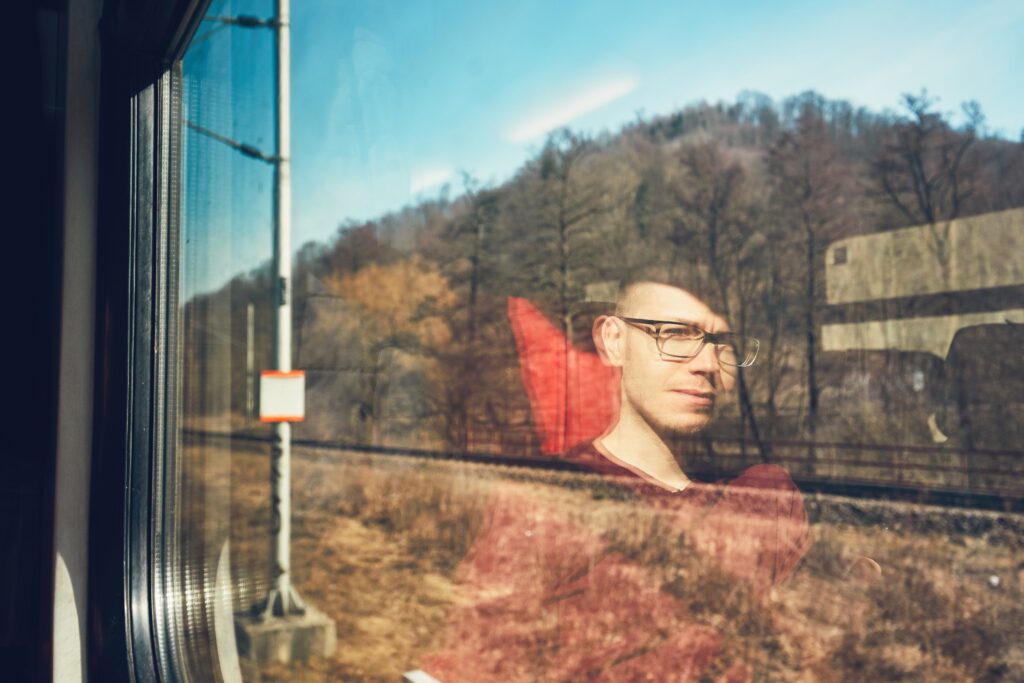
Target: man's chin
<point>669,421</point>
<point>685,425</point>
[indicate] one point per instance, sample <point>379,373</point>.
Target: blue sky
<point>393,99</point>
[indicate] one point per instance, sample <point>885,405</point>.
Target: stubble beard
<point>668,429</point>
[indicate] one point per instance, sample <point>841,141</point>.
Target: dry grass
<point>375,549</point>
<point>377,542</point>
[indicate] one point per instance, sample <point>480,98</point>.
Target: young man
<point>545,595</point>
<point>678,361</point>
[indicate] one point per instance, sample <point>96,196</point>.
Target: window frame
<point>136,288</point>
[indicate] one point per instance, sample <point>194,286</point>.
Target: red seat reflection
<point>573,395</point>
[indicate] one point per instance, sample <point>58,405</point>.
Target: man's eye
<point>680,332</point>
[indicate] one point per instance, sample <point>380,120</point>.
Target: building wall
<point>969,253</point>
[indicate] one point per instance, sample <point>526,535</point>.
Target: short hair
<point>604,297</point>
<point>696,279</point>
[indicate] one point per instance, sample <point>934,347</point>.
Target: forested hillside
<point>402,322</point>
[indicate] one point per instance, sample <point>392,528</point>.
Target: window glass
<point>659,342</point>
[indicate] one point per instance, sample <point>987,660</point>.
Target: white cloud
<point>568,110</point>
<point>427,178</point>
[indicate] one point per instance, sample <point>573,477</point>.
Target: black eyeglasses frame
<point>716,339</point>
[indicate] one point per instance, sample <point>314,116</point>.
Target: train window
<point>651,343</point>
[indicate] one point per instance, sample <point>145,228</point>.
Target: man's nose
<point>706,361</point>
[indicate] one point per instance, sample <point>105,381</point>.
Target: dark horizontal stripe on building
<point>925,305</point>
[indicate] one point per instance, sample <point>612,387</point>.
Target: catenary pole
<point>250,360</point>
<point>282,598</point>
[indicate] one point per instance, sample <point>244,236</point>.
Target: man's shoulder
<point>767,479</point>
<point>588,456</point>
<point>584,453</point>
<point>765,476</point>
<point>766,491</point>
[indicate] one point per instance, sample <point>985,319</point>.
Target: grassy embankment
<point>376,544</point>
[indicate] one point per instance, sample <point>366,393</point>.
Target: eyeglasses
<point>681,341</point>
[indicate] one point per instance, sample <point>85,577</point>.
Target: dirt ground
<point>377,542</point>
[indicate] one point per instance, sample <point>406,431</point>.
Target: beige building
<point>900,269</point>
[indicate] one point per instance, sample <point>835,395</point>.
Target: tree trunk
<point>811,338</point>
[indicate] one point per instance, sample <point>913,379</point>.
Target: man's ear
<point>609,338</point>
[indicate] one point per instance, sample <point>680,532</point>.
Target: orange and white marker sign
<point>282,396</point>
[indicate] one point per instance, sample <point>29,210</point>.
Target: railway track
<point>899,486</point>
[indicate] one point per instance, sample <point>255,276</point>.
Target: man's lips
<point>700,398</point>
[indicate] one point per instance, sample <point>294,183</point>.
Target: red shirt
<point>545,596</point>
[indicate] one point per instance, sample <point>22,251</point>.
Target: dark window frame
<point>143,43</point>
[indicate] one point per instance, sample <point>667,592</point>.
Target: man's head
<point>672,395</point>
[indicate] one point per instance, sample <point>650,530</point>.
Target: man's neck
<point>634,443</point>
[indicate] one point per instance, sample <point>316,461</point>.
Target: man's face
<point>673,396</point>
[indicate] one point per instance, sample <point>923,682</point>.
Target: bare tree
<point>923,167</point>
<point>925,170</point>
<point>809,180</point>
<point>467,239</point>
<point>570,205</point>
<point>715,230</point>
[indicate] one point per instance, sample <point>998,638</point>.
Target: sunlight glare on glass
<point>559,114</point>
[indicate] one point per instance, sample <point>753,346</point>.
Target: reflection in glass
<point>608,387</point>
<point>677,340</point>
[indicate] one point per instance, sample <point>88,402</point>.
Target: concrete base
<point>285,639</point>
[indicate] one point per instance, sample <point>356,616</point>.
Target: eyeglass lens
<point>685,341</point>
